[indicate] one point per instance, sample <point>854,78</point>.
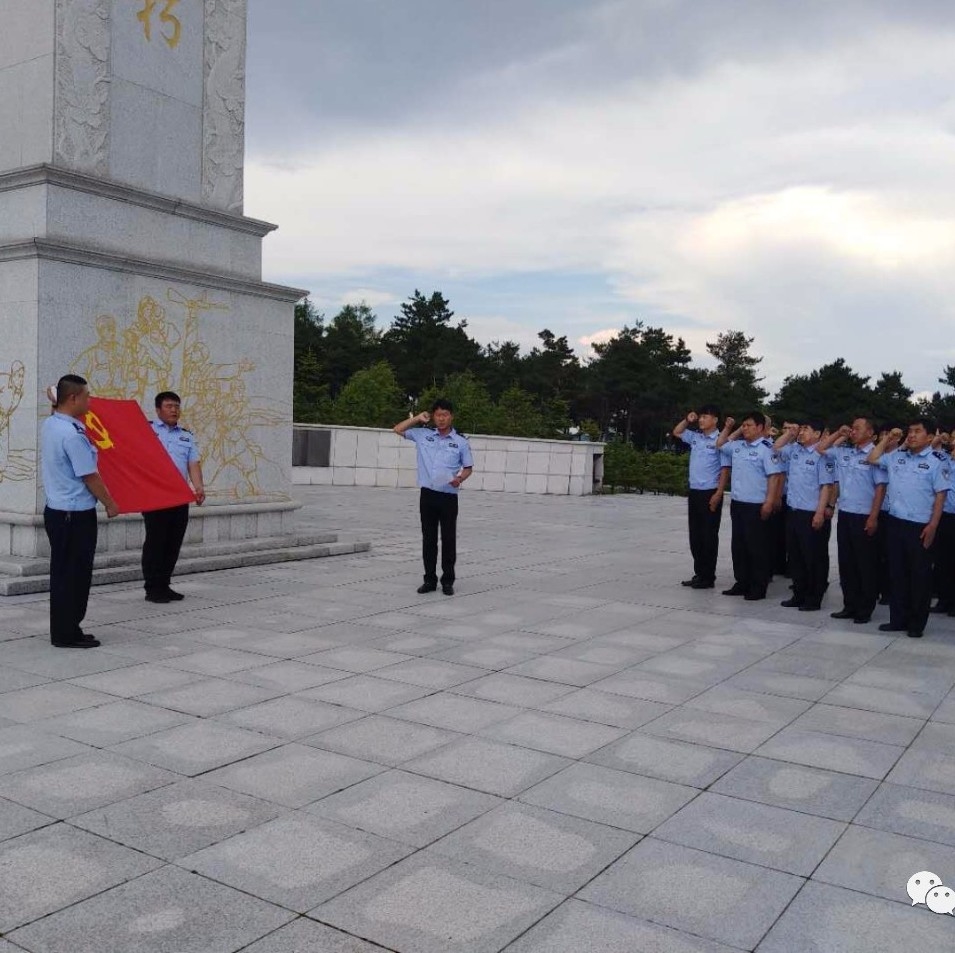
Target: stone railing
<point>326,455</point>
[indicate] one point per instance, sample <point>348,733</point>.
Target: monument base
<point>218,537</point>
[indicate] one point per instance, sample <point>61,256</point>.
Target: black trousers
<point>882,543</point>
<point>165,531</point>
<point>704,533</point>
<point>438,510</point>
<point>945,562</point>
<point>911,566</point>
<point>858,564</point>
<point>779,541</point>
<point>808,551</point>
<point>72,537</point>
<point>751,547</point>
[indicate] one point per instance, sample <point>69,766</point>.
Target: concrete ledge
<point>11,585</point>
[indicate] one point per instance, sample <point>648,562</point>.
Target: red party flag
<point>134,465</point>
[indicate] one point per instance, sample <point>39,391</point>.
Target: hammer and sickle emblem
<point>99,432</point>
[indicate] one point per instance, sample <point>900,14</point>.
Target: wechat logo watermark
<point>926,887</point>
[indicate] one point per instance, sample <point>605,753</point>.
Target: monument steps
<point>22,577</point>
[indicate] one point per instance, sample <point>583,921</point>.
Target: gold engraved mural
<point>15,464</point>
<point>156,352</point>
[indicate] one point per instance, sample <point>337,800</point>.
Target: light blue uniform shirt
<point>705,462</point>
<point>753,464</point>
<point>179,443</point>
<point>66,456</point>
<point>914,479</point>
<point>857,479</point>
<point>950,496</point>
<point>807,471</point>
<point>440,459</point>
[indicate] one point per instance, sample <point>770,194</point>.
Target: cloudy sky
<point>784,168</point>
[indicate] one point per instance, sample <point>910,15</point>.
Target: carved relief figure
<point>151,354</point>
<point>82,84</point>
<point>223,142</point>
<point>14,464</point>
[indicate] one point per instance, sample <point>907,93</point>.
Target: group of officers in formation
<point>893,491</point>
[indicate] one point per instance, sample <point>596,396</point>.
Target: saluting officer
<point>705,500</point>
<point>808,525</point>
<point>945,541</point>
<point>166,528</point>
<point>861,491</point>
<point>72,486</point>
<point>444,463</point>
<point>918,483</point>
<point>756,481</point>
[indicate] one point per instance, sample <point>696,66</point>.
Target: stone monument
<point>125,258</point>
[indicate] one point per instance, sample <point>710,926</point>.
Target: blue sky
<point>783,169</point>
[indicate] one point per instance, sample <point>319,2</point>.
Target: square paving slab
<point>823,919</point>
<point>709,896</point>
<point>575,927</point>
<point>296,861</point>
<point>169,910</point>
<point>404,807</point>
<point>50,868</point>
<point>178,819</point>
<point>541,847</point>
<point>432,904</point>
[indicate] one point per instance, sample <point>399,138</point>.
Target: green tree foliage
<point>474,411</point>
<point>351,344</point>
<point>892,400</point>
<point>733,384</point>
<point>518,415</point>
<point>834,393</point>
<point>311,403</point>
<point>501,367</point>
<point>637,380</point>
<point>371,398</point>
<point>424,347</point>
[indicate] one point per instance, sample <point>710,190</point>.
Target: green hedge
<point>644,471</point>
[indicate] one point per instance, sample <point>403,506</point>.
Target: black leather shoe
<point>174,596</point>
<point>941,609</point>
<point>87,642</point>
<point>157,597</point>
<point>703,584</point>
<point>690,582</point>
<point>810,607</point>
<point>791,603</point>
<point>914,634</point>
<point>734,591</point>
<point>448,589</point>
<point>426,587</point>
<point>884,601</point>
<point>888,627</point>
<point>861,619</point>
<point>842,614</point>
<point>754,596</point>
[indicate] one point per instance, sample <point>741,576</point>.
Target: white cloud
<point>805,197</point>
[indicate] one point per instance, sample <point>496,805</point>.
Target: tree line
<point>636,386</point>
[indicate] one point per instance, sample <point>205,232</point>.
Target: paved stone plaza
<point>573,754</point>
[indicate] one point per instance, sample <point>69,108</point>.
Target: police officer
<point>72,486</point>
<point>756,481</point>
<point>945,542</point>
<point>444,463</point>
<point>808,525</point>
<point>918,484</point>
<point>861,491</point>
<point>705,500</point>
<point>166,528</point>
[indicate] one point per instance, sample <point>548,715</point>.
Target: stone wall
<point>364,456</point>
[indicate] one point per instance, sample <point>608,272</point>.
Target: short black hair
<point>710,409</point>
<point>67,386</point>
<point>442,403</point>
<point>815,423</point>
<point>756,416</point>
<point>927,422</point>
<point>869,419</point>
<point>167,395</point>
